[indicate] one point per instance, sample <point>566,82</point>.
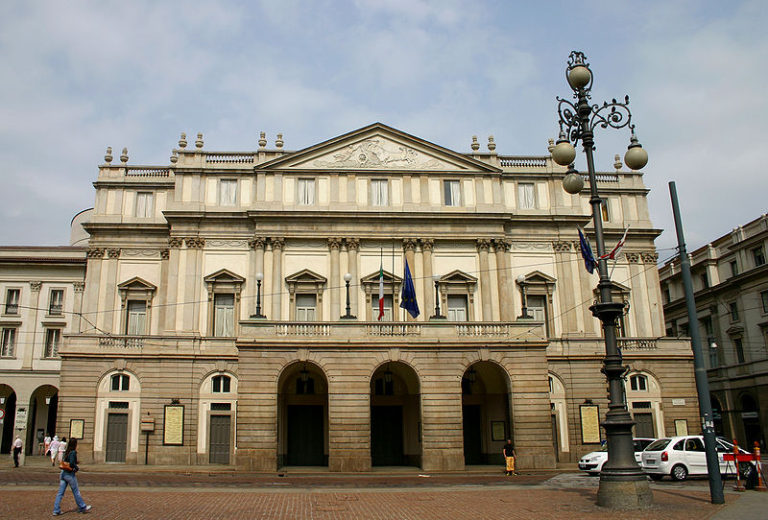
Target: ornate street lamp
<point>348,315</point>
<point>524,297</point>
<point>259,278</point>
<point>437,316</point>
<point>622,483</point>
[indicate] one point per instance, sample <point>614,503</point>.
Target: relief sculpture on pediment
<point>379,153</point>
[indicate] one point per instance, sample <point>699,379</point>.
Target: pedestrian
<point>47,442</point>
<point>68,478</point>
<point>17,444</point>
<point>62,449</point>
<point>54,449</point>
<point>509,457</point>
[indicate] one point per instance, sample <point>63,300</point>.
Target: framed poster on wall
<point>590,423</point>
<point>681,427</point>
<point>498,431</point>
<point>173,425</point>
<point>76,427</point>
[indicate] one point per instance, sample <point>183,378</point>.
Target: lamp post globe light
<point>259,278</point>
<point>348,315</point>
<point>622,482</point>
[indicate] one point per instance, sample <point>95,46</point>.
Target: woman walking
<point>68,477</point>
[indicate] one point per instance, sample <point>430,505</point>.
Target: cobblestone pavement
<point>29,493</point>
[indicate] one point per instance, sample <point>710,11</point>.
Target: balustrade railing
<point>230,158</point>
<point>121,341</point>
<point>482,329</point>
<point>626,344</point>
<point>303,329</point>
<point>523,162</point>
<point>393,329</point>
<point>147,172</point>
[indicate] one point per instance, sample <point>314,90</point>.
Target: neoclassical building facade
<point>234,298</point>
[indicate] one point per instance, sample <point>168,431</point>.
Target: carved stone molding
<point>195,242</point>
<point>35,286</point>
<point>650,257</point>
<point>78,286</point>
<point>334,243</point>
<point>226,243</point>
<point>427,244</point>
<point>353,244</point>
<point>165,254</point>
<point>277,243</point>
<point>95,252</point>
<point>409,244</point>
<point>531,246</point>
<point>138,252</point>
<point>483,244</point>
<point>257,243</point>
<point>175,242</point>
<point>632,258</point>
<point>561,246</point>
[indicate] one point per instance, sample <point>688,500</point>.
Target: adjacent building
<point>231,310</point>
<point>730,282</point>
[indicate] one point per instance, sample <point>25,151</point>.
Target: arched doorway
<point>8,405</point>
<point>395,416</point>
<point>43,407</point>
<point>485,413</point>
<point>750,416</point>
<point>302,416</point>
<point>558,415</point>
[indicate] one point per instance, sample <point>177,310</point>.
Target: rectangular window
<point>136,322</point>
<point>704,281</point>
<point>56,302</point>
<point>227,192</point>
<point>224,315</point>
<point>734,309</point>
<point>739,347</point>
<point>52,338</point>
<point>306,193</point>
<point>306,306</point>
<point>379,192</point>
<point>667,295</point>
<point>8,346</point>
<point>526,195</point>
<point>536,305</point>
<point>145,204</point>
<point>734,268</point>
<point>759,256</point>
<point>764,300</point>
<point>457,307</point>
<point>606,214</point>
<point>387,307</point>
<point>452,193</point>
<point>12,301</point>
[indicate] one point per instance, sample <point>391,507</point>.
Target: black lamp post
<point>437,316</point>
<point>622,483</point>
<point>348,315</point>
<point>524,297</point>
<point>259,278</point>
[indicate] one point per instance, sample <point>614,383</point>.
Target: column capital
<point>35,285</point>
<point>113,253</point>
<point>195,242</point>
<point>409,244</point>
<point>650,257</point>
<point>277,243</point>
<point>427,244</point>
<point>483,244</point>
<point>165,254</point>
<point>257,242</point>
<point>632,257</point>
<point>78,286</point>
<point>353,244</point>
<point>175,242</point>
<point>561,246</point>
<point>501,245</point>
<point>334,243</point>
<point>95,252</point>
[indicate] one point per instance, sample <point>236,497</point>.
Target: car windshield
<point>658,445</point>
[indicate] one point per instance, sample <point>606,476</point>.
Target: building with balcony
<point>234,304</point>
<point>730,282</point>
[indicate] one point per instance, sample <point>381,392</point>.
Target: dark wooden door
<point>644,425</point>
<point>305,435</point>
<point>117,436</point>
<point>555,437</point>
<point>473,435</point>
<point>387,436</point>
<point>219,445</point>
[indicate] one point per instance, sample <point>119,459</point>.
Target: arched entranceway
<point>395,416</point>
<point>750,417</point>
<point>43,407</point>
<point>8,405</point>
<point>302,416</point>
<point>485,413</point>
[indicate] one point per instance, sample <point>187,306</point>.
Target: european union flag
<point>586,253</point>
<point>408,294</point>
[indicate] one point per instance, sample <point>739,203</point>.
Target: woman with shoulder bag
<point>68,469</point>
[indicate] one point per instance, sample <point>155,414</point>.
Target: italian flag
<point>381,291</point>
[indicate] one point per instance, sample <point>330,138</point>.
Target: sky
<point>80,76</point>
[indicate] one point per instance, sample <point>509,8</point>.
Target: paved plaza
<point>192,493</point>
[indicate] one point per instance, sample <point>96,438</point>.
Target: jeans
<point>68,477</point>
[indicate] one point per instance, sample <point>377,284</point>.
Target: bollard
<point>758,466</point>
<point>739,486</point>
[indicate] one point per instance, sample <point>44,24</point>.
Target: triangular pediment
<point>224,276</point>
<point>374,278</point>
<point>458,276</point>
<point>378,147</point>
<point>306,276</point>
<point>539,277</point>
<point>136,284</point>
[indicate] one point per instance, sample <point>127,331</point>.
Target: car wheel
<point>679,472</point>
<point>656,476</point>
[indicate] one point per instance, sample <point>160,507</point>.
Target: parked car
<point>593,462</point>
<point>680,457</point>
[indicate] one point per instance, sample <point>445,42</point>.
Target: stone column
<point>334,244</point>
<point>427,244</point>
<point>409,247</point>
<point>172,294</point>
<point>193,282</point>
<point>109,320</point>
<point>258,246</point>
<point>157,324</point>
<point>568,315</point>
<point>95,257</point>
<point>353,245</point>
<point>29,349</point>
<point>485,278</point>
<point>77,306</point>
<point>506,307</point>
<point>278,244</point>
<point>649,298</point>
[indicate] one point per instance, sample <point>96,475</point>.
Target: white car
<point>593,462</point>
<point>680,457</point>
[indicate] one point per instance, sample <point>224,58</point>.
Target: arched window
<point>120,383</point>
<point>221,384</point>
<point>638,383</point>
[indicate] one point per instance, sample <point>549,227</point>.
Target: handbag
<point>65,465</point>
